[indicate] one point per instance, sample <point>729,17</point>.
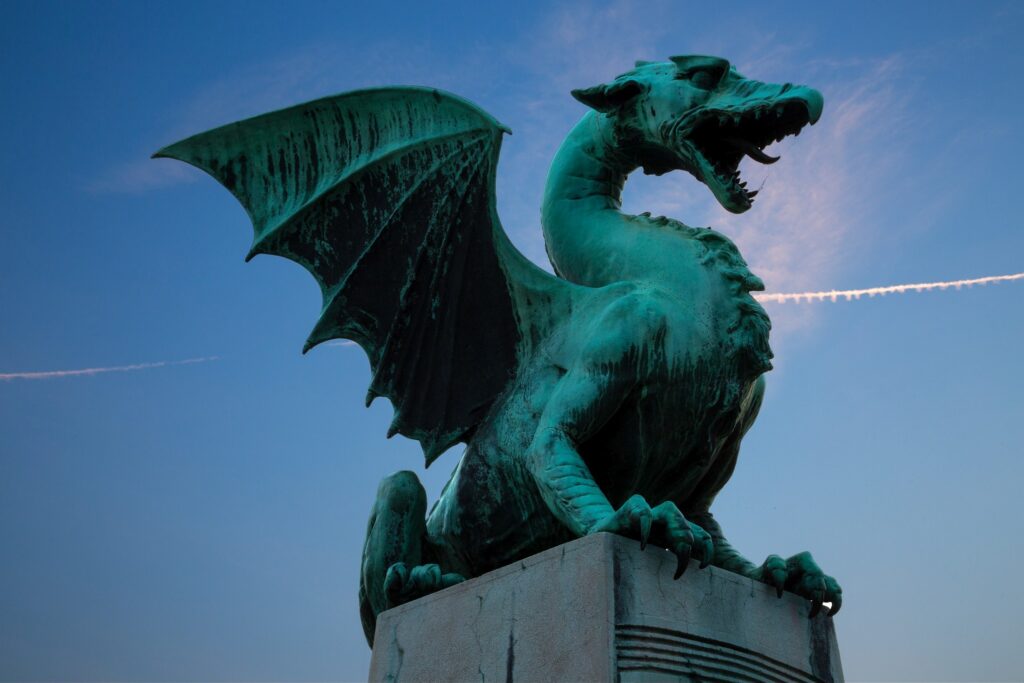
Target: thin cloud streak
<point>53,374</point>
<point>850,294</point>
<point>317,71</point>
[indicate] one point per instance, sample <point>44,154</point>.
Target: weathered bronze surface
<point>611,398</point>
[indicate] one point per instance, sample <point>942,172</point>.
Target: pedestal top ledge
<point>600,609</point>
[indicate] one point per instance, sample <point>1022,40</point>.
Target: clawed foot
<point>800,574</point>
<point>403,584</point>
<point>664,526</point>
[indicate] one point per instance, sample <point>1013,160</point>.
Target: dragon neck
<point>589,240</point>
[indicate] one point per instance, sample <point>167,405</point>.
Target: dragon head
<point>698,114</point>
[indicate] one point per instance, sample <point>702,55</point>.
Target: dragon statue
<point>609,398</point>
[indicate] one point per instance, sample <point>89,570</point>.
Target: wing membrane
<point>386,197</point>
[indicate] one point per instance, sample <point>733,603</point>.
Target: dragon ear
<point>609,97</point>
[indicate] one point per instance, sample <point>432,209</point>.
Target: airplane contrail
<point>831,295</point>
<point>849,294</point>
<point>51,374</point>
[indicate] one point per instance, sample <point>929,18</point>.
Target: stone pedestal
<point>600,609</point>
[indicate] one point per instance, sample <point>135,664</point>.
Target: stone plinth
<point>600,609</point>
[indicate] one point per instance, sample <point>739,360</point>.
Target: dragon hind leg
<point>394,566</point>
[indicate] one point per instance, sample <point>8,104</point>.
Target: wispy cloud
<point>813,202</point>
<point>315,71</point>
<point>85,372</point>
<point>222,100</point>
<point>818,209</point>
<point>850,294</point>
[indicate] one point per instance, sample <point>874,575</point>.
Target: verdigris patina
<point>611,398</point>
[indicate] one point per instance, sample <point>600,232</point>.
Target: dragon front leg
<point>799,574</point>
<point>586,397</point>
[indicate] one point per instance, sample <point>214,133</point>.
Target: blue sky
<point>203,521</point>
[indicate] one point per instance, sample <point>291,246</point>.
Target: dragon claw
<point>800,574</point>
<point>817,598</point>
<point>395,581</point>
<point>645,530</point>
<point>665,526</point>
<point>837,602</point>
<point>403,584</point>
<point>708,552</point>
<point>773,572</point>
<point>682,564</point>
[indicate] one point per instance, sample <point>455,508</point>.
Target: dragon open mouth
<point>722,138</point>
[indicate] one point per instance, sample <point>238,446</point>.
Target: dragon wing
<point>386,196</point>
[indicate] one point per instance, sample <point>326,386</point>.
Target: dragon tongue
<point>751,150</point>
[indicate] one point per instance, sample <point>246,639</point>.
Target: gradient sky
<point>203,521</point>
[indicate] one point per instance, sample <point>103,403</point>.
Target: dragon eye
<point>702,78</point>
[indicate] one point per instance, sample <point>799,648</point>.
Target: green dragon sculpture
<point>612,398</point>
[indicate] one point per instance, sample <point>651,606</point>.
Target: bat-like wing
<point>387,197</point>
